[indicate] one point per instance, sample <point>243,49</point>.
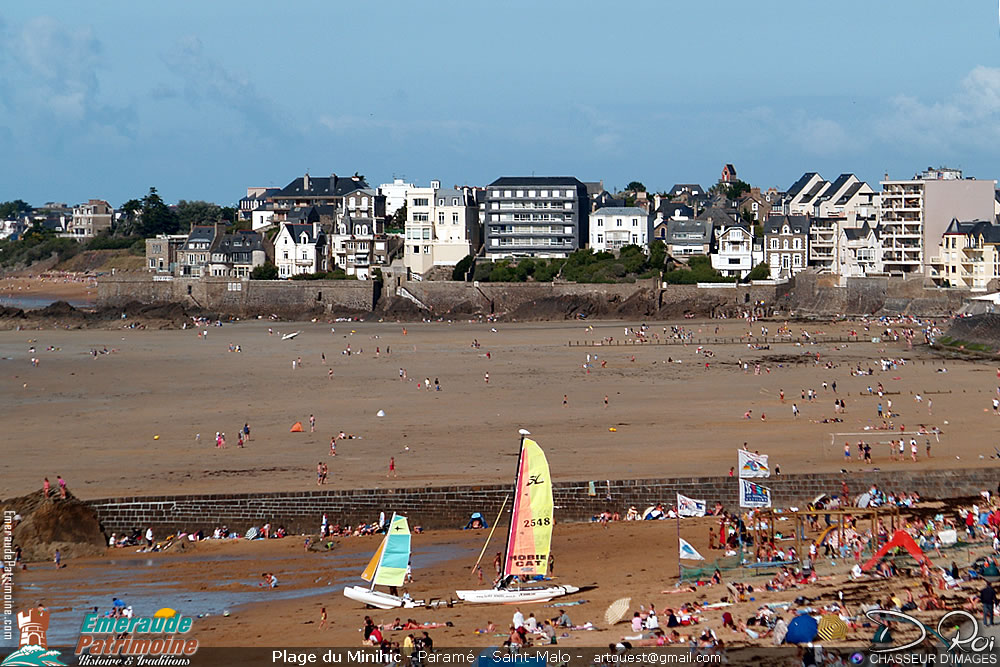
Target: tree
<point>636,186</point>
<point>734,189</point>
<point>157,218</point>
<point>760,272</point>
<point>398,222</point>
<point>191,213</point>
<point>128,223</point>
<point>228,213</point>
<point>13,209</point>
<point>462,268</point>
<point>657,254</point>
<point>266,271</point>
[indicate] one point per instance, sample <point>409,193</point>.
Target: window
<point>441,218</point>
<point>427,250</point>
<point>774,244</point>
<point>420,217</point>
<point>784,261</point>
<point>785,244</point>
<point>545,193</point>
<point>454,218</point>
<point>618,222</point>
<point>520,193</point>
<point>797,260</point>
<point>426,233</point>
<point>416,248</point>
<point>532,193</point>
<point>454,201</point>
<point>506,193</point>
<point>600,222</point>
<point>635,222</point>
<point>600,238</point>
<point>797,244</point>
<point>285,254</point>
<point>420,201</point>
<point>364,202</point>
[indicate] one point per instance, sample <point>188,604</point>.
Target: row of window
<point>532,193</point>
<point>617,243</point>
<point>796,260</point>
<point>423,201</point>
<point>546,241</point>
<point>531,206</point>
<point>618,222</point>
<point>796,244</point>
<point>531,229</point>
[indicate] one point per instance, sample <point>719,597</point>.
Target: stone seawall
<point>450,507</point>
<point>242,298</point>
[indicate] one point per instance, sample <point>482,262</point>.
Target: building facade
<point>237,255</point>
<point>613,227</point>
<point>968,255</point>
<point>194,254</point>
<point>300,248</point>
<point>736,254</point>
<point>786,244</point>
<point>859,252</point>
<point>914,214</point>
<point>536,216</point>
<point>442,227</point>
<point>90,219</point>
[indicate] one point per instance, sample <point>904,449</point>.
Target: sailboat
<point>529,537</point>
<point>386,568</point>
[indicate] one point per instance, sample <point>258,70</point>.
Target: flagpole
<point>679,574</point>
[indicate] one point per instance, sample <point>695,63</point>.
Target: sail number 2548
<point>542,521</point>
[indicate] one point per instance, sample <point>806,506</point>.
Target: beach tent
<point>864,500</point>
<point>899,539</point>
<point>296,428</point>
<point>476,516</point>
<point>802,629</point>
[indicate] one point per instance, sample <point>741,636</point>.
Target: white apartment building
<point>914,214</point>
<point>300,248</point>
<point>613,227</point>
<point>859,252</point>
<point>442,227</point>
<point>395,194</point>
<point>736,255</point>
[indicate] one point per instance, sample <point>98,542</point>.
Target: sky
<point>202,99</point>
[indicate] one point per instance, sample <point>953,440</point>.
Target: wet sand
<point>93,420</point>
<point>626,559</point>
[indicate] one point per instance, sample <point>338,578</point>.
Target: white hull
<point>373,598</point>
<point>515,595</point>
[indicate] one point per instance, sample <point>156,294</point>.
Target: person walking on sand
<point>62,486</point>
<point>392,466</point>
<point>565,400</point>
<point>57,559</point>
<point>46,488</point>
<point>333,446</point>
<point>312,423</point>
<point>239,439</point>
<point>319,473</point>
<point>246,432</point>
<point>605,400</point>
<point>486,377</point>
<point>322,618</point>
<point>795,410</point>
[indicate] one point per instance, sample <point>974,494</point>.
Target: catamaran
<point>529,537</point>
<point>386,568</point>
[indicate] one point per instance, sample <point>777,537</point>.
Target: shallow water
<point>140,583</point>
<point>36,303</point>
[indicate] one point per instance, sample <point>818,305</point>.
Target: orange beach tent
<point>899,539</point>
<point>296,428</point>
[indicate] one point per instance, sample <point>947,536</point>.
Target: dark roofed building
<point>236,255</point>
<point>536,216</point>
<point>786,244</point>
<point>315,190</point>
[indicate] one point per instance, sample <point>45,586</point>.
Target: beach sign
<point>688,552</point>
<point>754,495</point>
<point>689,506</point>
<point>753,465</point>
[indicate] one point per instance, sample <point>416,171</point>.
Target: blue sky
<point>203,99</point>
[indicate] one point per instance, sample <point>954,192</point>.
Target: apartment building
<point>90,219</point>
<point>968,255</point>
<point>613,227</point>
<point>786,244</point>
<point>442,227</point>
<point>531,216</point>
<point>914,214</point>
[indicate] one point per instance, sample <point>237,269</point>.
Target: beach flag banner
<point>689,506</point>
<point>688,552</point>
<point>754,495</point>
<point>753,465</point>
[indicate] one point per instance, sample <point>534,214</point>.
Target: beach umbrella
<point>831,628</point>
<point>802,629</point>
<point>617,610</point>
<point>251,534</point>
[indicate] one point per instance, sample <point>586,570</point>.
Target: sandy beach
<point>93,419</point>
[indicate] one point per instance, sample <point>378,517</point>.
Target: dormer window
<point>304,240</point>
<point>784,230</point>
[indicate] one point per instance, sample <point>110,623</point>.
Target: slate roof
<point>850,192</point>
<point>321,186</point>
<point>717,215</point>
<point>624,211</point>
<point>681,188</point>
<point>988,230</point>
<point>858,233</point>
<point>538,180</point>
<point>667,209</point>
<point>799,184</point>
<point>296,230</point>
<point>701,227</point>
<point>799,224</point>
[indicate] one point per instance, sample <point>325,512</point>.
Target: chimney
<point>435,185</point>
<point>305,181</point>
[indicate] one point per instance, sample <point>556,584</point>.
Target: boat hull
<point>373,598</point>
<point>515,595</point>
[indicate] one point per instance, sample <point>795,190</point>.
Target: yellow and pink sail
<point>530,537</point>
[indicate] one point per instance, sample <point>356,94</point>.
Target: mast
<point>513,511</point>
